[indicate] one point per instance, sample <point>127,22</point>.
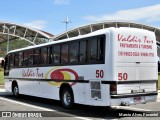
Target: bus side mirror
<point>2,63</point>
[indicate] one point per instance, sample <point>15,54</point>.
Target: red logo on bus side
<point>64,74</point>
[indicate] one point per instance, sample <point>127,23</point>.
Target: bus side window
<point>82,51</point>
<point>101,44</point>
<point>36,56</point>
<point>11,60</point>
<point>92,49</point>
<point>64,53</point>
<point>25,59</point>
<point>56,54</point>
<point>16,59</point>
<point>50,57</point>
<point>43,56</point>
<point>21,59</point>
<point>73,52</point>
<point>28,58</point>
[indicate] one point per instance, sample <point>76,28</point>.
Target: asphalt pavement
<point>27,106</point>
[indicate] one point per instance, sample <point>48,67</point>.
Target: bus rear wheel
<point>15,90</point>
<point>67,98</point>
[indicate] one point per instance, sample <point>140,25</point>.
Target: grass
<point>1,76</point>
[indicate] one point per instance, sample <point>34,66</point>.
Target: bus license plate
<point>138,91</point>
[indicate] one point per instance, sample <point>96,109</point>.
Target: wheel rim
<point>16,91</point>
<point>67,98</point>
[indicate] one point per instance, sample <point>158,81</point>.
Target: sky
<point>48,15</point>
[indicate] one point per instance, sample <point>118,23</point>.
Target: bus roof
<point>98,32</point>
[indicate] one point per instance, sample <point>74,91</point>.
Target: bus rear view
<point>134,66</point>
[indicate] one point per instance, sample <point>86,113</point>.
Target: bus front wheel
<point>15,90</point>
<point>67,98</point>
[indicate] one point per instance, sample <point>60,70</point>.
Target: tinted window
<point>101,48</point>
<point>28,57</point>
<point>56,54</point>
<point>36,56</point>
<point>11,60</point>
<point>16,59</point>
<point>20,58</point>
<point>50,57</point>
<point>26,60</point>
<point>73,52</point>
<point>43,58</point>
<point>92,49</point>
<point>82,51</point>
<point>30,53</point>
<point>64,53</point>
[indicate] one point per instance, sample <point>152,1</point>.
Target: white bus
<point>109,67</point>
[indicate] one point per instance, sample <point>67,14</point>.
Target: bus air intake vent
<point>95,90</point>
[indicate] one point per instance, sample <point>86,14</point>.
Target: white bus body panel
<point>134,59</point>
<point>82,91</point>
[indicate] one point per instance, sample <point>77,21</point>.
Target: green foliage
<point>1,76</point>
<point>13,44</point>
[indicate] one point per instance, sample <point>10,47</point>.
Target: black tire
<point>67,98</point>
<point>15,90</point>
